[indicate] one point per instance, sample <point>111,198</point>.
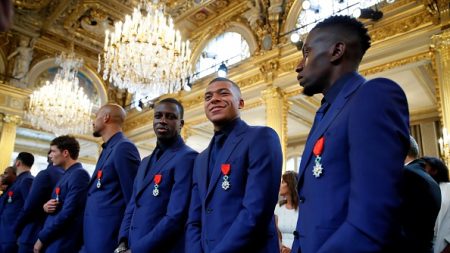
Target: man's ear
<point>241,103</point>
<point>106,117</point>
<point>338,51</point>
<point>66,153</point>
<point>181,123</point>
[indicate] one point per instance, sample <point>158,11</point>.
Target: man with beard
<point>111,184</point>
<point>350,176</point>
<point>235,181</point>
<point>155,217</point>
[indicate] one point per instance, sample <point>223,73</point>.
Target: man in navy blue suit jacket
<point>350,176</point>
<point>235,181</point>
<point>63,227</point>
<point>32,217</point>
<point>13,201</point>
<point>111,184</point>
<point>155,217</point>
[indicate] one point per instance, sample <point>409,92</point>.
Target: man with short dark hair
<point>14,200</point>
<point>235,181</point>
<point>32,217</point>
<point>62,231</point>
<point>350,176</point>
<point>111,185</point>
<point>421,204</point>
<point>155,217</point>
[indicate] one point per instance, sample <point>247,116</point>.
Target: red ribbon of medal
<point>317,151</point>
<point>99,178</point>
<point>57,192</point>
<point>225,168</point>
<point>10,194</point>
<point>157,180</point>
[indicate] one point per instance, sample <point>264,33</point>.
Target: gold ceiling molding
<point>397,63</point>
<point>31,4</point>
<point>410,23</point>
<point>295,92</point>
<point>138,120</point>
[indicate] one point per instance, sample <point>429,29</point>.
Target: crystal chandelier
<point>61,106</point>
<point>314,11</point>
<point>145,54</point>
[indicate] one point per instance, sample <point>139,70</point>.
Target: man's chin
<point>309,91</point>
<point>96,134</point>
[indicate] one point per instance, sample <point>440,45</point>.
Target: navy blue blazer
<point>9,210</point>
<point>354,205</point>
<point>156,223</point>
<point>62,230</point>
<point>32,216</point>
<point>106,205</point>
<point>241,218</point>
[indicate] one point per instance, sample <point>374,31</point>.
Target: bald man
<point>111,184</point>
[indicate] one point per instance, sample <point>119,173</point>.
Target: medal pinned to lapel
<point>10,194</point>
<point>317,151</point>
<point>57,192</point>
<point>225,168</point>
<point>99,178</point>
<point>157,180</point>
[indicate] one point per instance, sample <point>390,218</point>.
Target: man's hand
<point>38,246</point>
<point>122,248</point>
<point>285,249</point>
<point>50,206</point>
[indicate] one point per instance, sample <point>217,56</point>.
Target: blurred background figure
<point>8,177</point>
<point>437,169</point>
<point>421,204</point>
<point>6,14</point>
<point>286,212</point>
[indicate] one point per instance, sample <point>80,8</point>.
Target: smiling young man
<point>235,181</point>
<point>62,231</point>
<point>155,217</point>
<point>350,176</point>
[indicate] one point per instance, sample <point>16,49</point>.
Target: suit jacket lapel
<point>105,156</point>
<point>235,137</point>
<point>350,87</point>
<point>204,163</point>
<point>159,165</point>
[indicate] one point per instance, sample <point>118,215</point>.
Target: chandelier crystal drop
<point>145,53</point>
<point>61,106</point>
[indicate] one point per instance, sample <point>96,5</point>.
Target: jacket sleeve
<point>33,203</point>
<point>126,163</point>
<point>126,221</point>
<point>261,192</point>
<point>177,208</point>
<point>73,202</point>
<point>379,140</point>
<point>194,224</point>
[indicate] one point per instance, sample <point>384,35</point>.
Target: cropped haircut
<point>26,158</point>
<point>175,102</point>
<point>223,79</point>
<point>69,143</point>
<point>351,26</point>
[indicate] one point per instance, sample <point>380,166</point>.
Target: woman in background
<point>286,212</point>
